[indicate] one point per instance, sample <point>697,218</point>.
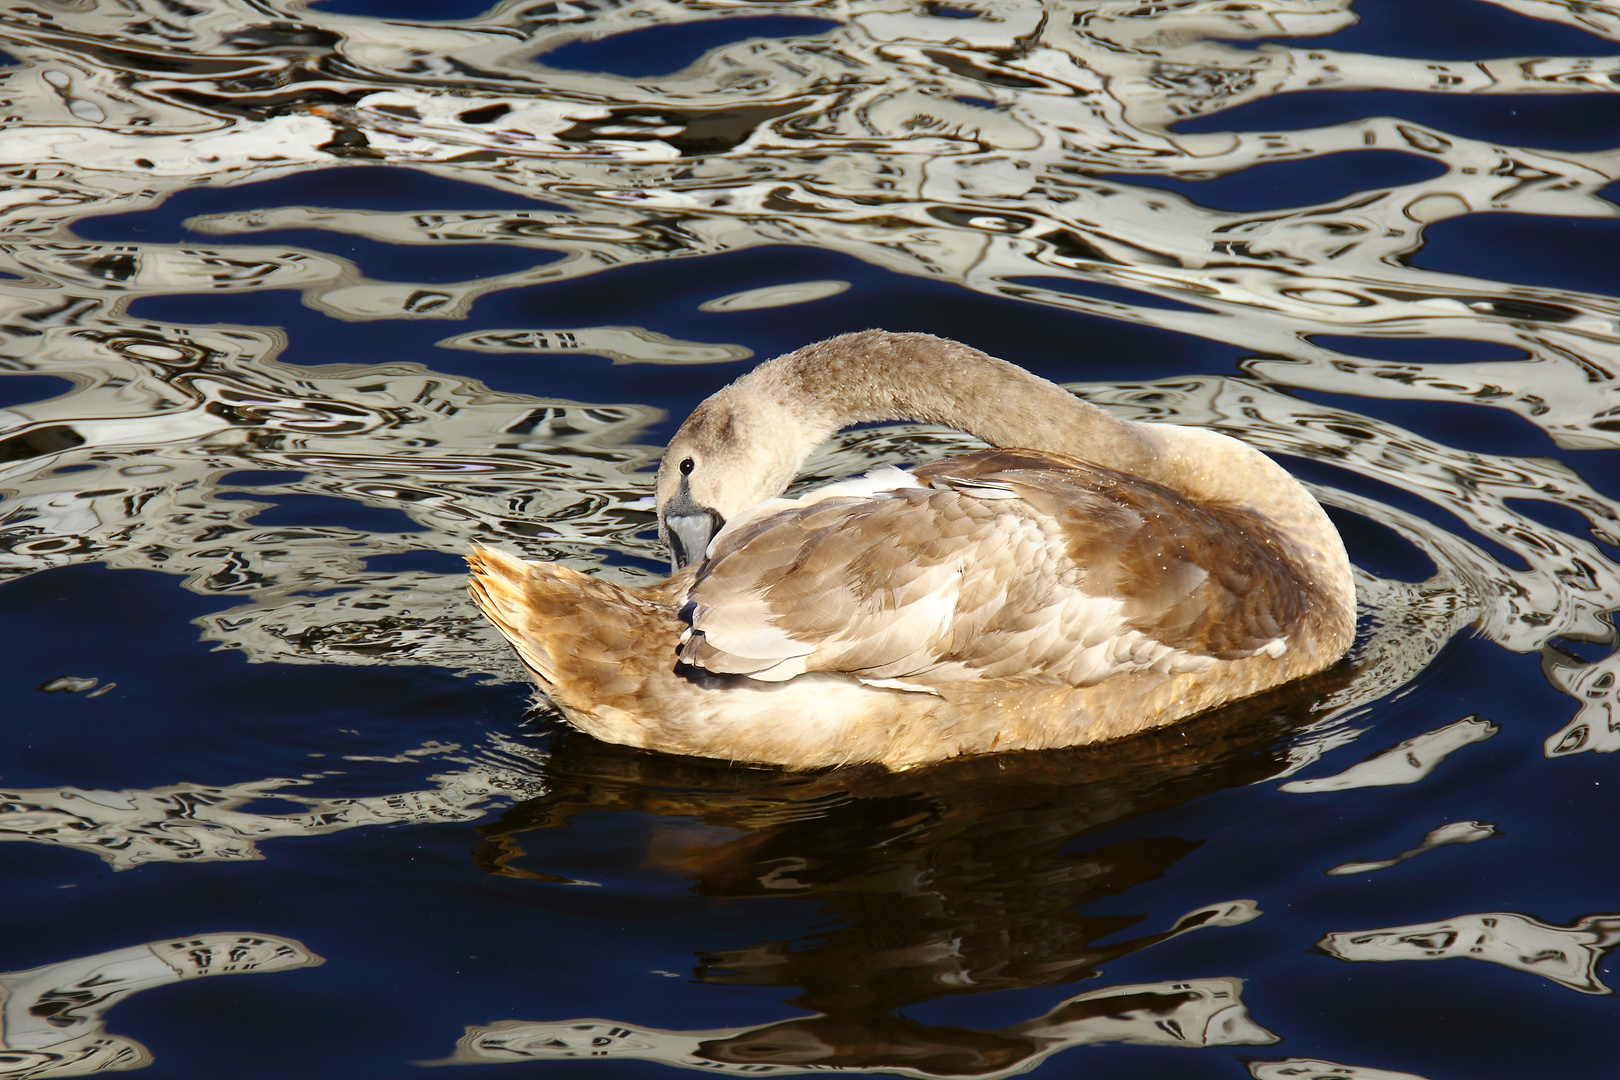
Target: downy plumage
<point>1087,579</point>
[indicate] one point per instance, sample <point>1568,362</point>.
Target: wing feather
<point>1002,564</point>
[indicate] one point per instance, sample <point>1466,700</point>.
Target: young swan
<point>1090,579</point>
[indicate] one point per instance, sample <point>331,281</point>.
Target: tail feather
<point>590,643</point>
<point>499,586</point>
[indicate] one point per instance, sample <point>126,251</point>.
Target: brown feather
<point>1012,599</point>
<point>1206,579</point>
<point>832,576</point>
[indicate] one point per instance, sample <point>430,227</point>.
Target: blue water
<point>720,915</point>
<point>1515,119</point>
<point>1319,179</point>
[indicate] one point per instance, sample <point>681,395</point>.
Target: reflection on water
<point>1196,1013</point>
<point>1454,832</point>
<point>967,881</point>
<point>1406,763</point>
<point>1083,158</point>
<point>1568,955</point>
<point>1317,1069</point>
<point>51,1016</point>
<point>198,823</point>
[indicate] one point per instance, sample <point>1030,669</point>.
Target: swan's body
<point>1092,579</point>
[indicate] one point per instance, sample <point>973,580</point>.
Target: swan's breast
<point>1002,564</point>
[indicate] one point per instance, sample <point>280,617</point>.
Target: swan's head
<point>737,449</point>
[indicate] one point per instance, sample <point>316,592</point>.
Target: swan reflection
<point>964,878</point>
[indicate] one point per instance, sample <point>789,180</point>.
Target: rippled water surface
<point>299,300</point>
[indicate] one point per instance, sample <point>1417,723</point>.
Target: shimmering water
<point>299,300</point>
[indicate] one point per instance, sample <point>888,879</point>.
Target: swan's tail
<point>590,644</point>
<point>519,604</point>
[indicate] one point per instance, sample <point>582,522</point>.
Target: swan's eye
<point>687,465</point>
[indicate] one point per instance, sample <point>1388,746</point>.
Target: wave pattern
<point>1004,146</point>
<point>1051,153</point>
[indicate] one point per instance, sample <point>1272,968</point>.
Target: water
<point>301,300</point>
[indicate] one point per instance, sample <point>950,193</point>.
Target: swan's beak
<point>689,526</point>
<point>689,536</point>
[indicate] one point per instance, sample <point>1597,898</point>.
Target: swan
<point>1085,579</point>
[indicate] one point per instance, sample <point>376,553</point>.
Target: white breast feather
<point>1089,666</point>
<point>878,481</point>
<point>781,672</point>
<point>897,684</point>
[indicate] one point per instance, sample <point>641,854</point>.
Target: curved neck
<point>774,417</point>
<point>874,376</point>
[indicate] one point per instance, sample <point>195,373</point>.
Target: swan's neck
<point>811,394</point>
<point>874,376</point>
<point>800,400</point>
<point>768,422</point>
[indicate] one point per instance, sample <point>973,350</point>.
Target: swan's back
<point>1002,564</point>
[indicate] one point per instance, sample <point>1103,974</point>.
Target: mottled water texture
<point>298,301</point>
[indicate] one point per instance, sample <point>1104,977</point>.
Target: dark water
<point>297,304</point>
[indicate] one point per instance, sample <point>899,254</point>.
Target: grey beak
<point>689,536</point>
<point>689,527</point>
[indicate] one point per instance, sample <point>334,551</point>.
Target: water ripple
<point>1070,157</point>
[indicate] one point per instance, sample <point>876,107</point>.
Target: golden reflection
<point>51,1017</point>
<point>970,876</point>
